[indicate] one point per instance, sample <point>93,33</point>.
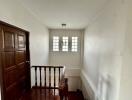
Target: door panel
<point>20,57</point>
<point>9,59</point>
<point>10,77</point>
<point>22,69</point>
<point>20,41</point>
<point>9,41</point>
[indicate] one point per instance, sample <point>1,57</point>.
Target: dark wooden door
<point>15,61</point>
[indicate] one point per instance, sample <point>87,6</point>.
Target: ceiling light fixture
<point>63,25</point>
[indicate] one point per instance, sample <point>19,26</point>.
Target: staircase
<point>54,86</point>
<point>49,84</point>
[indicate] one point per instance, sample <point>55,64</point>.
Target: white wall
<point>103,49</point>
<point>126,75</point>
<point>11,11</point>
<point>71,60</point>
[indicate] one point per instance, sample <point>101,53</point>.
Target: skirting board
<point>89,91</point>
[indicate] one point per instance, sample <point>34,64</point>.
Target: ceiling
<point>75,13</point>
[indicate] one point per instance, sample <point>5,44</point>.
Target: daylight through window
<point>74,44</point>
<point>55,43</point>
<point>65,44</point>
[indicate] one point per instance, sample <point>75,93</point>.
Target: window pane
<point>55,43</point>
<point>74,44</point>
<point>65,44</point>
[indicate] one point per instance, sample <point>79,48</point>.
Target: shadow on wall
<point>104,87</point>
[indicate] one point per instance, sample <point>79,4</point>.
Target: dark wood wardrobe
<point>14,62</point>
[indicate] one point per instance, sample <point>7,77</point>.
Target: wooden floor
<point>41,94</point>
<point>37,94</point>
<point>75,96</point>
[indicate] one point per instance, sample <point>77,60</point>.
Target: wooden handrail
<point>50,66</point>
<point>62,81</point>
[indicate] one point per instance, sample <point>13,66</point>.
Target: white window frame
<point>65,44</point>
<point>70,44</point>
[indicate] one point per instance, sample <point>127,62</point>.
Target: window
<point>74,44</point>
<point>55,43</point>
<point>65,44</point>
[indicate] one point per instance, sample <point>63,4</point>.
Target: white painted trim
<point>86,80</point>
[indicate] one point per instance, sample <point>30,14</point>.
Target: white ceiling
<point>75,13</point>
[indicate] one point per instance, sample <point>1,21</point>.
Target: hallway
<point>90,39</point>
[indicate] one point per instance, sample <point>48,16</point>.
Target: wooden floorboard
<point>46,94</point>
<point>41,94</point>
